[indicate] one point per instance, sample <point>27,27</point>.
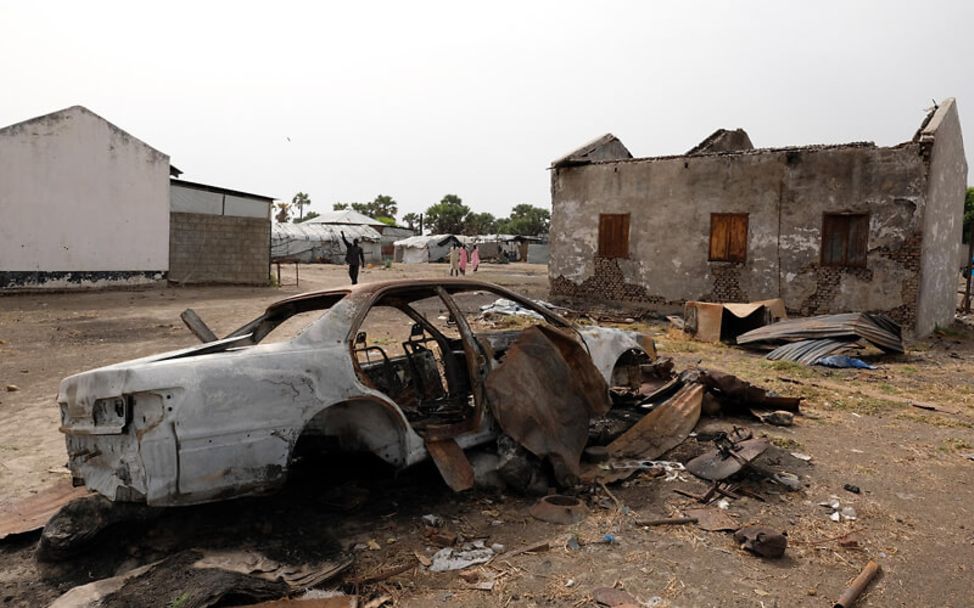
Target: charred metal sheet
<point>543,395</point>
<point>727,459</point>
<point>662,429</point>
<point>556,509</point>
<point>452,464</point>
<point>734,391</point>
<point>29,514</point>
<point>876,329</point>
<point>713,322</point>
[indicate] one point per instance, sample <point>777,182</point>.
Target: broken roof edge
<point>583,154</point>
<point>935,117</point>
<point>707,145</point>
<point>754,151</point>
<point>83,110</point>
<point>173,181</point>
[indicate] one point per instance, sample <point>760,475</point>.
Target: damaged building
<point>827,228</point>
<point>85,204</point>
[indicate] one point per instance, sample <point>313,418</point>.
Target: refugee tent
<point>312,242</point>
<point>423,249</point>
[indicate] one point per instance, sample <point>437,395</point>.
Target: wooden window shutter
<point>845,239</point>
<point>614,235</point>
<point>728,237</point>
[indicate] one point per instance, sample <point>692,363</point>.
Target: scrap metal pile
<point>812,339</point>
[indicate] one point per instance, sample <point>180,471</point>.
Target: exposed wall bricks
<point>607,283</point>
<point>727,282</point>
<point>219,249</point>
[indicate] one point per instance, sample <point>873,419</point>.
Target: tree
<point>301,200</point>
<point>339,206</point>
<point>283,212</point>
<point>479,223</point>
<point>382,208</point>
<point>446,216</point>
<point>311,215</point>
<point>411,220</point>
<point>526,220</point>
<point>968,213</point>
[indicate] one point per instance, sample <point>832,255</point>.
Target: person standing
<point>475,258</point>
<point>463,259</point>
<point>454,261</point>
<point>353,257</point>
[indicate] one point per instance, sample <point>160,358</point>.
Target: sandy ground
<point>914,512</point>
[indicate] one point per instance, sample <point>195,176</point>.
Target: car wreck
<point>227,418</point>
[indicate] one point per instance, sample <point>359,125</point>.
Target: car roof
<point>365,290</point>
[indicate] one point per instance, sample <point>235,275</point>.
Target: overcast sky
<point>418,99</point>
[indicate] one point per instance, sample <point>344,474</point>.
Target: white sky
<point>418,99</point>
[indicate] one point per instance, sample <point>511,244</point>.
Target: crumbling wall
<point>206,248</point>
<point>943,221</point>
<point>785,194</point>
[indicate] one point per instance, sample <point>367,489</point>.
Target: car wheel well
<point>626,371</point>
<point>357,425</point>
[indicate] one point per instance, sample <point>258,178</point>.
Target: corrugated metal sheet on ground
<point>879,330</point>
<point>810,351</point>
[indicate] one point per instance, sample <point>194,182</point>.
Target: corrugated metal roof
<point>877,329</point>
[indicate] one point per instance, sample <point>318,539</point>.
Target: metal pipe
<point>858,585</point>
<point>672,521</point>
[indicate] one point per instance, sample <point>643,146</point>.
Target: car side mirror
<point>360,337</point>
<point>416,331</point>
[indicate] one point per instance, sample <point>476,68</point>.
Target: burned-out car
<point>394,368</point>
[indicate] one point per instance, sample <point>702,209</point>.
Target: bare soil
<point>860,427</point>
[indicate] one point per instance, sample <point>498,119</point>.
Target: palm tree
<point>301,200</point>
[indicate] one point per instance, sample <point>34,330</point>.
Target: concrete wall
<point>785,193</point>
<point>943,222</point>
<point>209,248</point>
<point>82,203</point>
<point>218,237</point>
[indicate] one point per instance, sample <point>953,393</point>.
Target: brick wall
<point>219,249</point>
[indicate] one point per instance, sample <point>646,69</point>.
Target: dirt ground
<point>914,515</point>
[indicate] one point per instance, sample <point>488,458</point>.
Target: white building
<point>81,203</point>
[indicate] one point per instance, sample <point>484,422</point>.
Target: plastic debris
<point>433,521</point>
<point>851,488</point>
<point>802,457</point>
<point>470,554</point>
<point>505,307</point>
<point>789,480</point>
<point>843,362</point>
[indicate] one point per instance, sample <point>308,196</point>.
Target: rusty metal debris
<point>807,340</point>
<point>557,509</point>
<point>713,322</point>
<point>663,429</point>
<point>205,578</point>
<point>544,393</point>
<point>728,458</point>
<point>763,541</point>
<point>858,585</point>
<point>33,513</point>
<point>614,598</point>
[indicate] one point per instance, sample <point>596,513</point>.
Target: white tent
<point>422,249</point>
<point>307,242</point>
<point>347,217</point>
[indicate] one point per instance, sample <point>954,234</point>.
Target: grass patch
<point>179,601</point>
<point>940,421</point>
<point>786,443</point>
<point>888,388</point>
<point>909,369</point>
<point>954,444</point>
<point>861,404</point>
